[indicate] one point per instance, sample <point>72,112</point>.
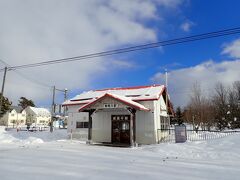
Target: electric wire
<point>198,37</point>
<point>25,77</point>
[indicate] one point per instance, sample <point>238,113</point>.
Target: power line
<point>25,77</point>
<point>3,62</point>
<point>134,48</point>
<point>32,80</point>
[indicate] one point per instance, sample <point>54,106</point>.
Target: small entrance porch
<point>112,120</point>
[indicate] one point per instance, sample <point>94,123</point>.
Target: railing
<point>25,128</point>
<point>168,135</point>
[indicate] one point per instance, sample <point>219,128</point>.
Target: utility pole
<point>166,84</point>
<point>54,105</point>
<point>65,108</point>
<point>65,98</point>
<point>3,85</point>
<point>53,109</point>
<point>53,100</point>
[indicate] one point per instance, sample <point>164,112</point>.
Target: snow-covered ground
<point>25,137</point>
<point>45,155</point>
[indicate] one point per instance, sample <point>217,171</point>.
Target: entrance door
<point>121,129</point>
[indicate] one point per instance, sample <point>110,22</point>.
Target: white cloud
<point>186,26</point>
<point>123,64</point>
<point>232,49</point>
<point>207,74</point>
<point>170,3</point>
<point>35,31</point>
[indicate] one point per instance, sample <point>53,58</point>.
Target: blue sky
<point>203,17</point>
<point>43,30</point>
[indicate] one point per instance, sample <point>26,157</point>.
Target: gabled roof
<point>138,93</point>
<point>119,98</point>
<point>18,109</point>
<point>40,111</point>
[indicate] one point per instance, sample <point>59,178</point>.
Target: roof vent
<point>85,99</point>
<point>132,95</point>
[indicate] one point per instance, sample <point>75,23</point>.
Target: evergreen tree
<point>5,105</point>
<point>179,115</point>
<point>24,102</point>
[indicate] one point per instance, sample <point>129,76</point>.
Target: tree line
<point>22,102</point>
<point>219,110</point>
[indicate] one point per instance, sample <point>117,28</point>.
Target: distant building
<point>59,116</point>
<point>37,116</point>
<point>120,115</point>
<point>16,116</point>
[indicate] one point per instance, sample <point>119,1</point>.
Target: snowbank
<point>225,147</point>
<point>26,137</point>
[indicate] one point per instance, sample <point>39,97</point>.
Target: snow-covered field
<point>44,155</point>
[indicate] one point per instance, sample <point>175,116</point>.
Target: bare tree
<point>233,106</point>
<point>196,104</point>
<point>199,109</point>
<point>222,110</point>
<point>220,105</point>
<point>236,88</point>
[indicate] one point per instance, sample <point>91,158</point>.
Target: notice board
<point>180,134</point>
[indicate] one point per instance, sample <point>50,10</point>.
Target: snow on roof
<point>122,99</point>
<point>69,102</point>
<point>40,111</point>
<point>137,93</point>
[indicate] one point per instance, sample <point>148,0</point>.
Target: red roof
<point>137,93</point>
<point>122,99</point>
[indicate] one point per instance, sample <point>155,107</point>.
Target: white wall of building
<point>102,124</point>
<point>22,117</point>
<point>73,118</point>
<point>145,124</point>
<point>160,122</point>
<point>13,118</point>
<point>145,133</point>
<point>38,116</point>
